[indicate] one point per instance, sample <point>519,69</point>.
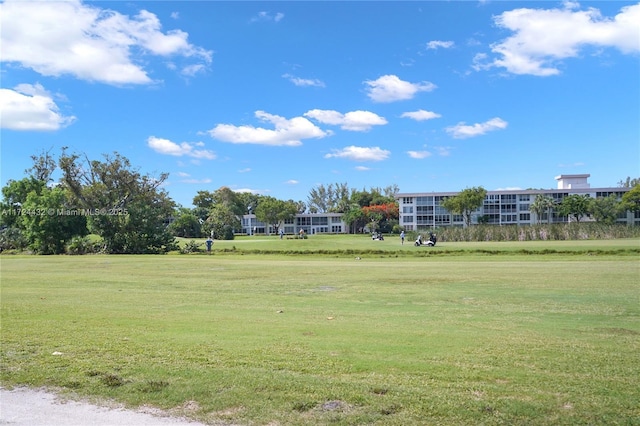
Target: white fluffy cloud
<point>360,153</point>
<point>357,121</point>
<point>286,132</point>
<point>463,131</point>
<point>420,115</point>
<point>389,88</point>
<point>435,44</point>
<point>167,147</point>
<point>90,43</point>
<point>543,37</point>
<point>30,107</point>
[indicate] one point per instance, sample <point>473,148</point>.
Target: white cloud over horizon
<point>167,147</point>
<point>390,88</point>
<point>286,132</point>
<point>30,107</point>
<point>420,115</point>
<point>359,153</point>
<point>90,43</point>
<point>463,131</point>
<point>542,38</point>
<point>435,44</point>
<point>356,121</point>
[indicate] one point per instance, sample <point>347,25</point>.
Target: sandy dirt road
<point>29,407</point>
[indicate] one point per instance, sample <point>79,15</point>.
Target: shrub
<point>227,233</point>
<point>191,247</point>
<point>80,245</point>
<point>543,232</point>
<point>12,239</point>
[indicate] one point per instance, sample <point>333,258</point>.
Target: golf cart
<point>430,242</point>
<point>377,236</point>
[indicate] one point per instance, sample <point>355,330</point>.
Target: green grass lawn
<point>278,339</point>
<point>359,244</point>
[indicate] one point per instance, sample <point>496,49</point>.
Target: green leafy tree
<point>14,194</point>
<point>204,199</point>
<point>224,196</point>
<point>319,199</point>
<point>273,211</point>
<point>576,206</point>
<point>186,224</point>
<point>249,201</point>
<point>354,217</point>
<point>49,222</point>
<point>605,209</point>
<point>143,228</point>
<point>127,209</point>
<point>221,221</point>
<point>631,199</point>
<point>380,196</point>
<point>541,205</point>
<point>466,202</point>
<point>361,197</point>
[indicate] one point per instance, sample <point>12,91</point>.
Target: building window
<point>407,209</point>
<point>508,218</point>
<point>321,220</point>
<point>303,221</point>
<point>442,219</point>
<point>406,219</point>
<point>525,217</point>
<point>424,220</point>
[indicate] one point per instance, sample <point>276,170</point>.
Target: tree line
<point>109,206</point>
<point>575,206</point>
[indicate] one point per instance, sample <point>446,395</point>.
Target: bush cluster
<point>543,232</point>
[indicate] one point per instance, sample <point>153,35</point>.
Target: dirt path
<point>28,407</point>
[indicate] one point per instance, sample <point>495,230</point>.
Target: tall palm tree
<point>542,204</point>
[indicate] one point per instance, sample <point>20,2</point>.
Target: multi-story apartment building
<point>317,223</point>
<point>507,207</point>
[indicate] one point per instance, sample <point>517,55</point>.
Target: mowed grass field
<point>498,336</point>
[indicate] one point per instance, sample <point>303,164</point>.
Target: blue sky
<point>279,97</point>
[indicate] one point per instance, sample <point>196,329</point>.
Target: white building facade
<point>311,224</point>
<point>508,207</point>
